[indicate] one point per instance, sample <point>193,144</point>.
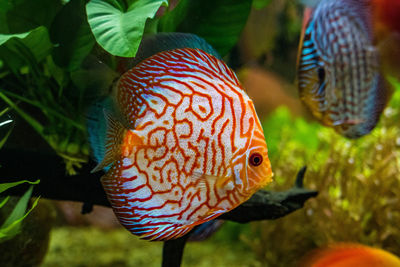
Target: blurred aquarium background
<point>45,90</point>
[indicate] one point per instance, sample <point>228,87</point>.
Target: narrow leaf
<point>34,123</point>
<point>5,186</point>
<point>4,139</point>
<point>12,225</point>
<point>19,209</point>
<point>4,201</point>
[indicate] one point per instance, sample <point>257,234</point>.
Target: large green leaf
<point>5,37</point>
<point>25,15</point>
<point>71,33</point>
<point>170,21</point>
<point>38,42</point>
<point>218,22</point>
<point>35,42</point>
<point>25,49</point>
<point>119,29</point>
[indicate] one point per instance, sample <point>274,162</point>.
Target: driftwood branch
<point>86,188</point>
<point>269,205</point>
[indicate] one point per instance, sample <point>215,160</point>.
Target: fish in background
<point>340,64</point>
<point>179,139</point>
<point>349,255</point>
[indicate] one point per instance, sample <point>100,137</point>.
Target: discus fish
<point>183,142</point>
<point>350,255</point>
<point>339,70</point>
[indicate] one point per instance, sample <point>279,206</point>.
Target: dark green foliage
<point>75,41</point>
<point>218,22</point>
<point>19,50</point>
<point>25,15</point>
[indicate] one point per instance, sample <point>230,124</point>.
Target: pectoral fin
<point>114,141</point>
<point>220,182</point>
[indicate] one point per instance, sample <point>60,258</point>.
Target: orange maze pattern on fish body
<point>198,128</point>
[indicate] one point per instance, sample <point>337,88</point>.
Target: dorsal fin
<point>156,43</point>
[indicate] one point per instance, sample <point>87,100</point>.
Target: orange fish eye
<point>255,159</point>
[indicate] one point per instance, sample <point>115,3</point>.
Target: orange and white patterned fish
<point>183,144</point>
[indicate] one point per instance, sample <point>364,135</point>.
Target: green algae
<point>90,246</point>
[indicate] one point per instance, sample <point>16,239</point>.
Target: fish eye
<point>255,159</point>
<point>321,74</point>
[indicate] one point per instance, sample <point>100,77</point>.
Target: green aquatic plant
<point>35,88</point>
<point>29,246</point>
<point>90,246</point>
<point>10,226</point>
<point>358,183</point>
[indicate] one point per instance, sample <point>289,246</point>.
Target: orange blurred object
<point>387,14</point>
<point>269,91</point>
<point>350,255</point>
